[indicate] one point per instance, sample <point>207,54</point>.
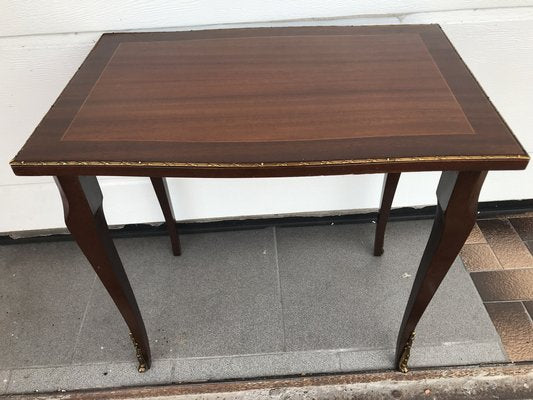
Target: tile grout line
<point>530,317</point>
<point>284,348</point>
<point>502,346</point>
<point>83,321</point>
<point>8,383</point>
<point>339,362</point>
<point>477,244</point>
<point>172,369</point>
<point>519,237</point>
<point>490,244</point>
<point>496,258</point>
<point>502,270</point>
<point>505,301</point>
<point>512,228</point>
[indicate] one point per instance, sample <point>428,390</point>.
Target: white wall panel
<point>34,70</point>
<point>500,55</point>
<point>25,17</point>
<point>131,200</point>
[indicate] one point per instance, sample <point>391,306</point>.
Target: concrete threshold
<point>513,381</point>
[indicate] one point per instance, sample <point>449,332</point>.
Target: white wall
<point>43,43</point>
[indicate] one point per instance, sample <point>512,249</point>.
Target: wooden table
<point>267,103</point>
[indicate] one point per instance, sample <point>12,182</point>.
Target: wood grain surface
<point>280,88</point>
<point>254,101</point>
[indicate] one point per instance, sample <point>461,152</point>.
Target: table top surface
<point>323,99</point>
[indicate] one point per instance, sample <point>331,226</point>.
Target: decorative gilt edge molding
<point>163,164</point>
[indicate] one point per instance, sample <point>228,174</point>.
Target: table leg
<point>387,195</point>
<point>457,197</point>
<point>162,193</point>
<point>84,216</point>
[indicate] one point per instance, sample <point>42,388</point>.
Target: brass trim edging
<point>14,163</point>
<point>406,352</point>
<point>138,353</point>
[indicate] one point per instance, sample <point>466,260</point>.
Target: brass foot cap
<point>404,358</point>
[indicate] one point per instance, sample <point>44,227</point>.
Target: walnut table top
<point>271,102</point>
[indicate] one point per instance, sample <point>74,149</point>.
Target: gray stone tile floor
<point>240,304</point>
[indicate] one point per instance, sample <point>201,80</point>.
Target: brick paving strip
<point>502,382</point>
<point>499,256</point>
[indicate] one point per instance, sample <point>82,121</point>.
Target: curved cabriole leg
<point>84,216</point>
<point>457,197</point>
<point>161,191</point>
<point>389,188</point>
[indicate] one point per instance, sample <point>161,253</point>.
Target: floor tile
<point>476,236</point>
<point>504,285</point>
<point>461,354</point>
<point>4,380</point>
<point>52,379</point>
<point>529,308</point>
<point>366,360</point>
<point>479,257</point>
<point>336,295</point>
<point>515,329</point>
<point>215,312</point>
<point>44,291</point>
<point>203,369</point>
<point>523,226</point>
<point>506,243</point>
<point>79,377</point>
<point>126,374</point>
<point>219,297</point>
<point>321,270</point>
<point>455,353</point>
